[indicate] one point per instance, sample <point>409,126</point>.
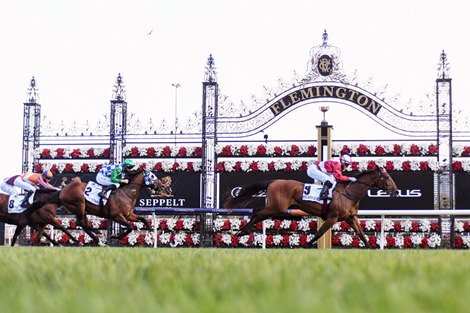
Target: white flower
<point>370,225</point>
<point>164,238</point>
<point>466,241</point>
<point>434,241</point>
<point>458,226</point>
<point>387,225</point>
<point>227,239</point>
<point>244,240</point>
<point>277,239</point>
<point>416,239</point>
<point>346,239</point>
<point>269,223</point>
<point>425,225</point>
<point>304,225</point>
<point>294,240</point>
<point>285,224</point>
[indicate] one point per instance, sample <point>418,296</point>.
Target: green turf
<point>85,280</point>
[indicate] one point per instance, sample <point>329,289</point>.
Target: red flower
<point>414,226</point>
<point>407,243</point>
<point>197,152</point>
<point>134,152</point>
<point>271,166</point>
<point>243,150</point>
<point>373,242</point>
<point>220,167</point>
<point>371,165</point>
<point>457,166</point>
<point>312,225</point>
<point>466,226</point>
<point>45,154</point>
<point>227,225</point>
<point>311,150</point>
<point>414,149</point>
<point>396,149</point>
<point>68,168</point>
<point>54,169</point>
<point>336,240</point>
<point>124,241</point>
<point>85,168</point>
<point>458,242</point>
<point>76,153</point>
<point>277,150</point>
<point>189,240</point>
<point>106,153</point>
<point>378,226</point>
<point>103,224</point>
<point>73,224</point>
<point>406,166</point>
<point>397,226</point>
<point>435,227</point>
<point>466,151</point>
<point>91,153</point>
<point>182,152</point>
<point>179,225</point>
<point>288,167</point>
<point>38,168</point>
<point>355,165</point>
<point>362,150</point>
<point>60,153</point>
<point>235,240</point>
<point>158,166</point>
<point>424,166</point>
<point>64,239</point>
<point>166,151</point>
<point>277,224</point>
<point>163,225</point>
<point>98,167</point>
<point>226,151</point>
<point>261,150</point>
<point>151,152</point>
<point>269,240</point>
<point>379,150</point>
<point>344,226</point>
<point>425,242</point>
<point>175,166</point>
<point>391,242</point>
<point>285,240</point>
<point>303,240</point>
<point>238,166</point>
<point>254,166</point>
<point>294,150</point>
<point>190,167</point>
<point>294,226</point>
<point>355,241</point>
<point>432,149</point>
<point>345,150</point>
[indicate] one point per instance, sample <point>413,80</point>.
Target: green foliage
<point>45,279</point>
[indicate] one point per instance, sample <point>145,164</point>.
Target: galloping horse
<point>119,207</point>
<point>42,213</point>
<point>283,194</point>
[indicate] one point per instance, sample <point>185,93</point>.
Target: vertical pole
<point>324,153</point>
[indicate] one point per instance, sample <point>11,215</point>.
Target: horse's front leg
<point>353,221</point>
<point>18,231</point>
<point>327,224</point>
<point>121,220</point>
<point>137,218</point>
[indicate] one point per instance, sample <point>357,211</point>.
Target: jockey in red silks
<point>28,181</point>
<point>328,172</point>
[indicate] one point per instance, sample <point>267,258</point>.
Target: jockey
<point>28,181</point>
<point>111,176</point>
<point>328,172</point>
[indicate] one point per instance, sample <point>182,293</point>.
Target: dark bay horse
<point>42,212</point>
<point>120,205</point>
<point>283,194</point>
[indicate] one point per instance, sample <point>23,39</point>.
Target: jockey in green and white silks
<point>111,176</point>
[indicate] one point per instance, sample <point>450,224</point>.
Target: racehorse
<point>283,194</point>
<point>42,212</point>
<point>119,207</point>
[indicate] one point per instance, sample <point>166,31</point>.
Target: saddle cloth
<point>91,192</point>
<point>311,192</point>
<point>14,203</point>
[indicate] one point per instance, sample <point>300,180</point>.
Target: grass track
<point>69,280</point>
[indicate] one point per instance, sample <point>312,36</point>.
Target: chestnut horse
<point>283,194</point>
<point>119,208</point>
<point>42,212</point>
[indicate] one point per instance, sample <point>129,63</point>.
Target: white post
<point>155,232</point>
<point>382,232</point>
<point>264,234</point>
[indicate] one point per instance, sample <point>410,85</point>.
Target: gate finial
<point>443,66</point>
<point>325,39</point>
<point>118,92</point>
<point>210,75</point>
<point>33,95</point>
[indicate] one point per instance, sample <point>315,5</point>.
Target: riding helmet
<point>128,163</point>
<point>345,159</point>
<point>47,175</point>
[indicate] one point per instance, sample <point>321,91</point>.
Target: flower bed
<point>185,232</point>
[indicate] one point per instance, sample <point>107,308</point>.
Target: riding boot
<point>25,203</point>
<point>105,189</point>
<point>325,190</point>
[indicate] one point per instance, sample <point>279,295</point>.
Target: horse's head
<point>385,182</point>
<point>151,180</point>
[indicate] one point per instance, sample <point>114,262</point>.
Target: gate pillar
<point>324,153</point>
<point>31,127</point>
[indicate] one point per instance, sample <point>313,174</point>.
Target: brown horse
<point>119,207</point>
<point>42,213</point>
<point>283,194</point>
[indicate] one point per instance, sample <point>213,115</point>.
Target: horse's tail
<point>243,196</point>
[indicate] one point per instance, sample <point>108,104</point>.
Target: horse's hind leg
<point>16,234</point>
<point>256,217</point>
<point>132,217</point>
<point>354,222</point>
<point>57,225</point>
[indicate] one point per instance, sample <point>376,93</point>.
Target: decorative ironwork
<point>118,122</point>
<point>31,127</point>
<point>210,74</point>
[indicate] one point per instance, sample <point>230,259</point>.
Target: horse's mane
<point>134,173</point>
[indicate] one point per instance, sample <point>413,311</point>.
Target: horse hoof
<point>101,244</point>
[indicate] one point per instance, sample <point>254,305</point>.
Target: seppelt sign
<point>335,92</point>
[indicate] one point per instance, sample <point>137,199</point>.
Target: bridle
<point>382,177</point>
